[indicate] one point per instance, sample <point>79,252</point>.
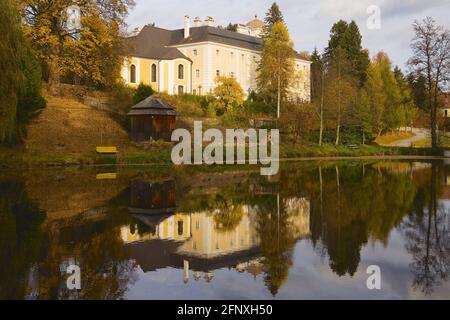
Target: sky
<point>309,21</point>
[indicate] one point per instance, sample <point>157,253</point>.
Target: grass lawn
<point>389,138</point>
<point>444,142</point>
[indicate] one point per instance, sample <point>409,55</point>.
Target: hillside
<point>67,127</point>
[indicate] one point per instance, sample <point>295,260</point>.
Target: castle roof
<point>157,43</point>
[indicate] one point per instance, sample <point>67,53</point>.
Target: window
<point>195,52</point>
<point>180,71</point>
<point>446,113</point>
<point>180,90</point>
<point>180,227</point>
<point>197,73</point>
<point>232,55</point>
<point>194,92</point>
<point>217,52</point>
<point>232,74</point>
<point>133,73</point>
<point>217,73</point>
<point>153,78</point>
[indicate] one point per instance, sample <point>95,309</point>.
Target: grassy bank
<point>67,132</point>
<point>19,158</point>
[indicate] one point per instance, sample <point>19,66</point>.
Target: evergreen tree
<point>273,16</point>
<point>347,37</point>
<point>20,98</point>
<point>10,44</point>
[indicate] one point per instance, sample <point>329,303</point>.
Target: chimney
<point>209,21</point>
<point>187,27</point>
<point>197,22</point>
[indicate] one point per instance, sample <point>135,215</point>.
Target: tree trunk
<point>279,96</point>
<point>338,129</point>
<point>321,109</point>
<point>54,77</point>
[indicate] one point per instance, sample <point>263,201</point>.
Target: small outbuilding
<point>152,119</point>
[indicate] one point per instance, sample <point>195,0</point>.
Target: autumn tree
<point>90,51</point>
<point>431,57</point>
<point>276,66</point>
<point>228,93</point>
<point>317,88</point>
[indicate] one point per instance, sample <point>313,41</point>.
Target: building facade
<point>189,60</point>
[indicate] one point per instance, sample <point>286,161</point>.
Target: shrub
<point>143,91</point>
<point>121,102</point>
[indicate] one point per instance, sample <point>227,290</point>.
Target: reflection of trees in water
<point>277,241</point>
<point>35,256</point>
<point>352,204</point>
<point>96,246</point>
<point>228,216</point>
<point>20,238</point>
<point>427,238</point>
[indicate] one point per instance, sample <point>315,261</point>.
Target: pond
<point>312,232</point>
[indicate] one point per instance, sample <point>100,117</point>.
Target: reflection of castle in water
<point>202,241</point>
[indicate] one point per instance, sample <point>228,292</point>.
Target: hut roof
<point>152,106</point>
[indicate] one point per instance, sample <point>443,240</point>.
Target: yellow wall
<point>143,73</point>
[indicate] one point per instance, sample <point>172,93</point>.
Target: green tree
<point>364,116</point>
<point>10,44</point>
<point>273,16</point>
<point>232,27</point>
<point>20,84</point>
<point>348,37</point>
<point>143,91</point>
<point>276,66</point>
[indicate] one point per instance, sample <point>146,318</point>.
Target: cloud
<point>309,21</point>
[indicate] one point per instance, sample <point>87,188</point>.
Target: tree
<point>431,57</point>
<point>317,88</point>
<point>417,83</point>
<point>232,27</point>
<point>10,42</point>
<point>273,16</point>
<point>347,37</point>
<point>276,66</point>
<point>20,97</point>
<point>228,92</point>
<point>362,117</point>
<point>143,91</point>
<point>91,52</point>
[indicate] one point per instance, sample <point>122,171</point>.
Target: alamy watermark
<point>374,280</point>
<point>235,145</point>
<point>373,22</point>
<point>73,282</point>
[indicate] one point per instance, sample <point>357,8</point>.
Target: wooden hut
<point>152,119</point>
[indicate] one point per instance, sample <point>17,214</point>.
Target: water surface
<point>159,233</point>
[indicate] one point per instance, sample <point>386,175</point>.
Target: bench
<point>353,146</point>
<point>106,150</point>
